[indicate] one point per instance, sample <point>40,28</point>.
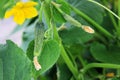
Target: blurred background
<point>6,28</point>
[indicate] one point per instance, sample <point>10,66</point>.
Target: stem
<point>50,22</point>
<point>68,62</point>
<point>111,16</point>
<point>105,8</point>
<point>72,57</point>
<point>66,16</point>
<point>100,37</point>
<point>119,12</point>
<point>105,32</point>
<point>92,73</point>
<point>64,55</point>
<point>113,21</point>
<point>99,65</point>
<point>47,12</point>
<point>118,31</point>
<point>118,72</point>
<point>82,61</point>
<point>40,12</point>
<point>104,74</point>
<point>12,2</point>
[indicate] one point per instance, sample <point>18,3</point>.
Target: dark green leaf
<point>75,35</point>
<point>107,55</point>
<point>63,72</point>
<point>90,9</point>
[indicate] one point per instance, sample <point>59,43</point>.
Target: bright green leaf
<point>49,54</point>
<point>57,15</point>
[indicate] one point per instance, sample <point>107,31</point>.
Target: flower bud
<point>88,29</point>
<point>36,63</point>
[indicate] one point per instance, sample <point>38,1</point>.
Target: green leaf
<point>14,63</point>
<point>4,5</point>
<point>30,50</point>
<point>57,15</point>
<point>76,49</point>
<point>115,78</point>
<point>63,72</point>
<point>2,9</point>
<point>107,55</point>
<point>49,54</point>
<point>1,70</point>
<point>47,12</point>
<point>64,6</point>
<point>2,12</point>
<point>75,36</point>
<point>92,10</point>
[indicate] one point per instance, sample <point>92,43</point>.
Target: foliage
<point>80,41</point>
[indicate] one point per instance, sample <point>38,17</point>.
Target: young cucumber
<point>39,36</point>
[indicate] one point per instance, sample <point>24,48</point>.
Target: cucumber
<point>39,38</point>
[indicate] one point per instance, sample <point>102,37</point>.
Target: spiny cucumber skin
<point>39,38</point>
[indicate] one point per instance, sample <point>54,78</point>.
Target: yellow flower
<point>22,11</point>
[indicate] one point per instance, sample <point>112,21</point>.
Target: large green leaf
<point>75,35</point>
<point>14,64</point>
<point>1,70</point>
<point>49,55</point>
<point>107,55</point>
<point>90,9</point>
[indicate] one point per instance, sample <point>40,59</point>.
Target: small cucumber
<point>39,38</point>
